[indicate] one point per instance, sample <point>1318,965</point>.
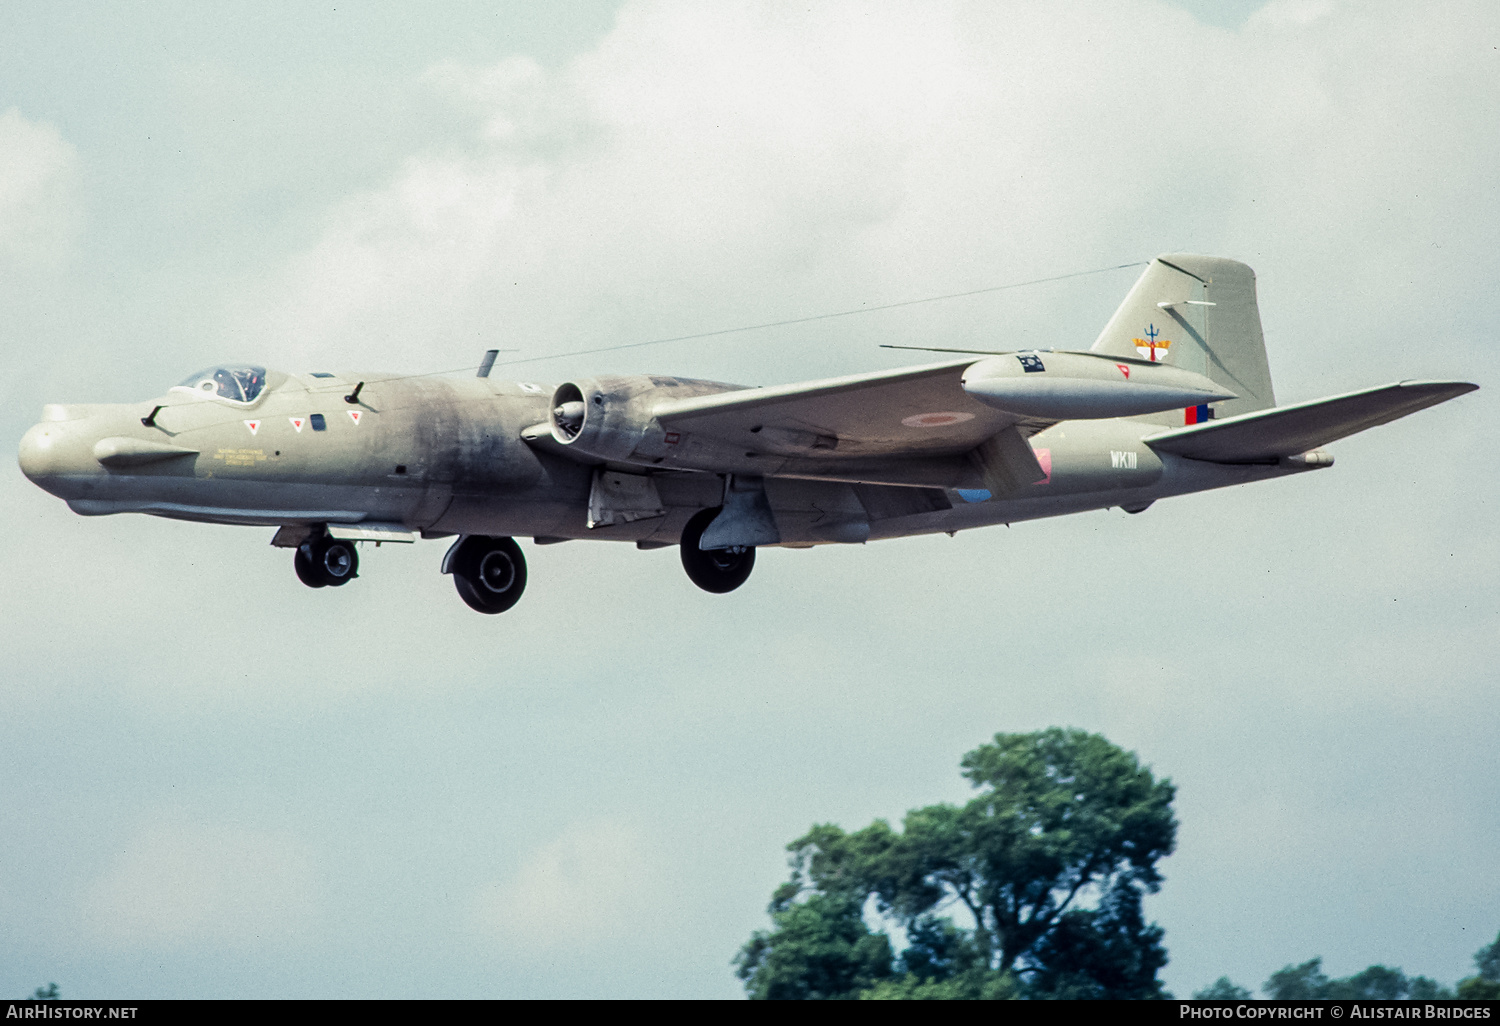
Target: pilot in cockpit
<point>238,383</point>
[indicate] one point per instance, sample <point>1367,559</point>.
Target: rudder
<point>1198,313</point>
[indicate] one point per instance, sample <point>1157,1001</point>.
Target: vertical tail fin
<point>1198,313</point>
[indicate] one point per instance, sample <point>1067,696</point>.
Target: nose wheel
<point>324,562</point>
<point>489,573</point>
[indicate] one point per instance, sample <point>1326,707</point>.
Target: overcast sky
<point>216,782</point>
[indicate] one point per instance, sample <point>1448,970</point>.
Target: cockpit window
<point>238,383</point>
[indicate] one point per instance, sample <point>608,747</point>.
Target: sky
<point>216,782</point>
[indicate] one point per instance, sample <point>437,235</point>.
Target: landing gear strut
<point>715,570</point>
<point>489,573</point>
<point>322,561</point>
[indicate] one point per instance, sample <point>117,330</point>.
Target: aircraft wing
<point>915,426</point>
<point>912,411</point>
<point>1267,435</point>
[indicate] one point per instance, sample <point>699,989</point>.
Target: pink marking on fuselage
<point>1044,459</point>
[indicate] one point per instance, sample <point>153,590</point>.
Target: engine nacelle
<point>605,418</point>
<point>614,418</point>
<point>1085,386</point>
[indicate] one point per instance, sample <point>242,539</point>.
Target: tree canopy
<point>1306,982</point>
<point>1223,989</point>
<point>1486,985</point>
<point>1048,864</point>
<point>820,948</point>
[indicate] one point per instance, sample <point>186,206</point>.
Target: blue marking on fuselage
<point>974,494</point>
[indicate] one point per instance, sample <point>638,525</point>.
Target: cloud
<point>712,165</point>
<point>1291,13</point>
<point>38,211</point>
<point>184,884</point>
<point>717,164</point>
<point>592,884</point>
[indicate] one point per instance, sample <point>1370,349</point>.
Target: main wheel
<point>306,572</point>
<point>489,573</point>
<point>715,570</point>
<point>326,561</point>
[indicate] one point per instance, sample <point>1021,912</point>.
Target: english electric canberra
<point>1174,397</point>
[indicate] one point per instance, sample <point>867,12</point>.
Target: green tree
<point>819,948</point>
<point>47,993</point>
<point>1487,961</point>
<point>1307,982</point>
<point>1304,982</point>
<point>1423,989</point>
<point>942,963</point>
<point>1486,985</point>
<point>1223,989</point>
<point>970,985</point>
<point>1108,952</point>
<point>1061,816</point>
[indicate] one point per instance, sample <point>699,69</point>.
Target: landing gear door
<point>616,498</point>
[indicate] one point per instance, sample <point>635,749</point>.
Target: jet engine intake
<point>1085,386</point>
<point>600,417</point>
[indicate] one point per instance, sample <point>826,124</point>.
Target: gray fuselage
<point>445,456</point>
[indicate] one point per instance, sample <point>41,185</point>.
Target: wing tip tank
<point>1457,388</point>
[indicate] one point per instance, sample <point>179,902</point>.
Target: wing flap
<point>1268,435</point>
<point>949,470</point>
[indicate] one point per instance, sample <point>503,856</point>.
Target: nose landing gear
<point>322,561</point>
<point>489,573</point>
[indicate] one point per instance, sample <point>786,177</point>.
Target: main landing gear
<point>715,570</point>
<point>322,561</point>
<point>489,573</point>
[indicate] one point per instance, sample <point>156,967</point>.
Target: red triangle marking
<point>253,425</point>
<point>297,422</point>
<point>1124,370</point>
<point>354,415</point>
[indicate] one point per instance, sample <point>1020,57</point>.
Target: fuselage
<point>446,456</point>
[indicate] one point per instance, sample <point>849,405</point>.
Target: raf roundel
<point>934,420</point>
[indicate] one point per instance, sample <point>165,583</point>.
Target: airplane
<point>1173,397</point>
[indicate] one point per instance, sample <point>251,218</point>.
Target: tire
<point>306,572</point>
<point>325,561</point>
<point>489,573</point>
<point>716,570</point>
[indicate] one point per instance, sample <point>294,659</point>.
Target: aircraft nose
<point>38,455</point>
<point>58,450</point>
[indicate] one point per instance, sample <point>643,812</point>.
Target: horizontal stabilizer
<point>1268,435</point>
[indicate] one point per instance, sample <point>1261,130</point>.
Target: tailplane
<point>1198,313</point>
<point>1288,432</point>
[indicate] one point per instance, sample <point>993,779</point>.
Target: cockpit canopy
<point>239,383</point>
